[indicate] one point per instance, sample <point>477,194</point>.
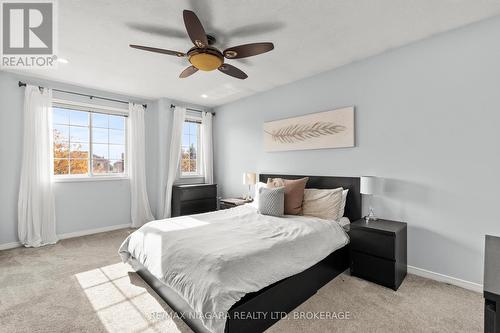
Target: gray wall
<point>427,118</point>
<point>79,205</point>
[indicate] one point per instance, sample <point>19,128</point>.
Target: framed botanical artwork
<point>321,130</point>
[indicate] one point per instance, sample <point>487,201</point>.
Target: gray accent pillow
<point>272,201</point>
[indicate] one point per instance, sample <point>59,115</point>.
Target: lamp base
<point>248,197</point>
<point>371,216</point>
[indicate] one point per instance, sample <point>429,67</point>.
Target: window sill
<point>191,176</point>
<point>87,179</point>
<point>186,180</point>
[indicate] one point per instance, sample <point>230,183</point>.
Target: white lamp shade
<point>367,185</point>
<point>249,178</point>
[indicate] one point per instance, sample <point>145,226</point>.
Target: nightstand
<point>232,202</point>
<point>378,251</point>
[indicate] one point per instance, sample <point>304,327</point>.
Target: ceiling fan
<point>203,56</point>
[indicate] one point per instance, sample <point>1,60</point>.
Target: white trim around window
<point>89,107</point>
<point>77,179</point>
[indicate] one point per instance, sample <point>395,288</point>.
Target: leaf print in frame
<point>329,129</point>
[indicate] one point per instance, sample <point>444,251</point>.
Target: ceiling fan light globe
<point>206,61</point>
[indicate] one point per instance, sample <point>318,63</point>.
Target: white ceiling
<point>310,36</point>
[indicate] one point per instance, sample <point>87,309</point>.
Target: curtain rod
<point>23,84</point>
<point>195,110</point>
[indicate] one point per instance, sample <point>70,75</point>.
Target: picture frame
<point>320,130</point>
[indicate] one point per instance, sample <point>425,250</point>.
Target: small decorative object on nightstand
<point>378,251</point>
<point>232,202</point>
<point>249,178</point>
<point>368,188</point>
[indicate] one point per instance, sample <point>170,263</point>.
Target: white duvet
<point>214,259</point>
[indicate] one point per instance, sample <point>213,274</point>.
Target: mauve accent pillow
<point>294,193</point>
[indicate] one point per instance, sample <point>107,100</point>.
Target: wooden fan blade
<point>188,71</point>
<point>247,50</point>
<point>157,50</point>
<point>195,29</point>
<point>232,71</point>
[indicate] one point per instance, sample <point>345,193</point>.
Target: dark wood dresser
<point>492,284</point>
<point>378,251</point>
<point>193,199</point>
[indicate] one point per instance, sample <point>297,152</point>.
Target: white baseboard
<point>7,246</point>
<point>80,233</point>
<point>446,279</point>
<point>93,231</point>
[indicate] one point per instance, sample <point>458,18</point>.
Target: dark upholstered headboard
<point>353,202</point>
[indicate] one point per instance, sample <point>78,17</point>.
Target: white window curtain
<point>174,158</point>
<point>35,208</point>
<point>207,153</point>
<point>140,209</point>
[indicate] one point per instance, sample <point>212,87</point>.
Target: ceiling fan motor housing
<point>211,40</point>
<point>206,59</point>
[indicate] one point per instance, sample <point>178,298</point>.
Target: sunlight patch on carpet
<point>122,301</point>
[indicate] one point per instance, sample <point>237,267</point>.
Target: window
<point>190,160</point>
<point>88,143</point>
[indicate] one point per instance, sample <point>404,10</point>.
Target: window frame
<point>92,108</point>
<point>199,173</point>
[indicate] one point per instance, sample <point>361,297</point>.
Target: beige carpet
<point>79,285</point>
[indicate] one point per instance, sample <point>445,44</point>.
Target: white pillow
<point>324,204</point>
<point>344,221</point>
<point>255,202</point>
<point>342,205</point>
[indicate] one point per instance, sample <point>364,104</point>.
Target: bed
<point>235,273</point>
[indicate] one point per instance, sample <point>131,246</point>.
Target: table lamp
<point>249,178</point>
<point>368,188</point>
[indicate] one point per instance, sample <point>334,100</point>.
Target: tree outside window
<point>88,143</point>
<point>190,148</point>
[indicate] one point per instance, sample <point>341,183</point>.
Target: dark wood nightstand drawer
<point>374,269</point>
<point>376,244</point>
